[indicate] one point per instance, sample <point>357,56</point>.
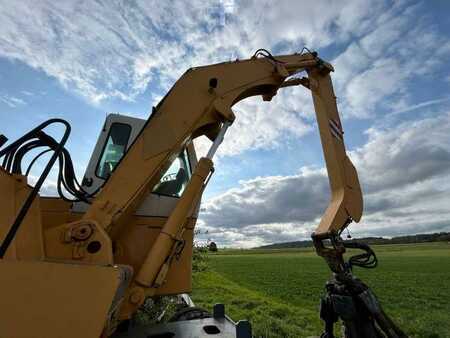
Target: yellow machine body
<point>46,295</point>
<point>28,243</point>
<point>55,300</point>
<point>132,249</point>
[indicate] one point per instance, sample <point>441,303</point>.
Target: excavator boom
<point>199,102</point>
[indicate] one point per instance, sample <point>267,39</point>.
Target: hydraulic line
<point>37,138</point>
<point>27,204</point>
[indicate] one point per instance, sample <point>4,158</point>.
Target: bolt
<point>136,296</point>
<point>81,232</point>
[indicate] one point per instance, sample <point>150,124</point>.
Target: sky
<point>80,60</point>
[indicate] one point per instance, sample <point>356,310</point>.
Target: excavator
<point>83,263</point>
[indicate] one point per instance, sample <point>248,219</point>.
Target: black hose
<point>28,202</point>
<point>35,159</point>
<point>367,260</point>
<point>265,53</point>
<point>37,138</point>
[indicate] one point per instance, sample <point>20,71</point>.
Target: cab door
<point>116,137</point>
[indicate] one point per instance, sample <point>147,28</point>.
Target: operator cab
<point>116,137</point>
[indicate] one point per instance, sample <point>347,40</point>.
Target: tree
<point>212,246</point>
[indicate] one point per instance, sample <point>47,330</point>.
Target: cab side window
<point>114,149</point>
<point>175,179</point>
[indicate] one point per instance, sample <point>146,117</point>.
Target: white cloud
<point>11,101</point>
<point>405,176</point>
<point>368,88</point>
<point>404,108</point>
<point>49,188</point>
<point>265,125</point>
<point>411,152</point>
<point>27,93</point>
<point>273,199</point>
<point>376,69</point>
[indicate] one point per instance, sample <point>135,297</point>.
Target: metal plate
<point>54,300</point>
<point>219,326</point>
<point>198,328</point>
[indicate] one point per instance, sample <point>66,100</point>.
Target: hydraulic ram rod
<point>157,256</point>
<point>168,235</point>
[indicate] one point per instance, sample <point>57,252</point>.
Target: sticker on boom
<point>336,129</point>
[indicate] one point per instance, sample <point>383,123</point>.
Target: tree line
<point>408,239</point>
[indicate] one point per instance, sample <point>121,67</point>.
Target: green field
<point>279,291</point>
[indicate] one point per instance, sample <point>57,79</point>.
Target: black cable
<point>27,204</point>
<point>305,48</point>
<point>37,138</point>
<point>35,159</point>
<point>265,53</point>
<point>16,166</point>
<point>367,260</point>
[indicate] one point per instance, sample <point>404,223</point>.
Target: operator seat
<point>172,187</point>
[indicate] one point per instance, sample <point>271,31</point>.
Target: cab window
<point>114,149</point>
<point>175,179</point>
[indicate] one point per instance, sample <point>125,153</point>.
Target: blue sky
<point>82,59</point>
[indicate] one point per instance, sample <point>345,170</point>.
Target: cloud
<point>49,188</point>
<point>11,101</point>
<point>265,125</point>
<point>93,48</point>
<point>376,69</point>
<point>411,152</point>
<point>403,108</point>
<point>273,199</point>
<point>27,93</point>
<point>405,176</point>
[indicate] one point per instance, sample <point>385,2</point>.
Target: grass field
<point>279,291</point>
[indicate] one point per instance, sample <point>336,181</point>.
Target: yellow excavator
<point>82,264</point>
